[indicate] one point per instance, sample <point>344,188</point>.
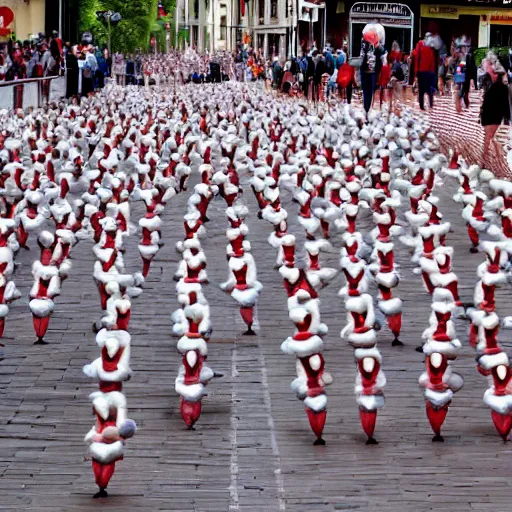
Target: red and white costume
<point>193,374</point>
<point>8,290</point>
<point>46,285</point>
<point>243,286</point>
<point>441,346</point>
<point>477,220</point>
<point>313,248</point>
<point>149,245</point>
<point>306,344</point>
<point>387,278</point>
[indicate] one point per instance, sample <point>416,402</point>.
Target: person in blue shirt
<point>302,61</point>
<point>340,58</point>
<point>330,62</point>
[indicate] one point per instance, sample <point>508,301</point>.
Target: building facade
<point>276,27</point>
<point>486,22</point>
<point>28,17</point>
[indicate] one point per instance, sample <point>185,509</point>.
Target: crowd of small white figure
<point>70,172</point>
<point>487,210</point>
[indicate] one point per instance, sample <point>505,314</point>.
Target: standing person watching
<point>72,71</point>
<point>340,58</point>
<point>320,69</point>
<point>495,108</point>
<point>425,67</point>
<point>302,61</point>
<point>373,55</point>
<point>464,71</point>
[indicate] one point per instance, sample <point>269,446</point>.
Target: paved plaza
<point>252,448</point>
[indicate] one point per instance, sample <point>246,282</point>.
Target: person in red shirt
<point>346,80</point>
<point>395,54</point>
<point>425,67</point>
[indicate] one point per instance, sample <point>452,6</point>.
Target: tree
<point>134,29</point>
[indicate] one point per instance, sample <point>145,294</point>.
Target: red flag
<point>242,6</point>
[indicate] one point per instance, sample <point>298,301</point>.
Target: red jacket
<point>425,58</point>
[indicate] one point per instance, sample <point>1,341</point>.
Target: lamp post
<point>60,19</point>
<point>292,46</point>
<point>109,32</point>
<point>112,18</point>
<point>249,29</point>
<point>167,37</point>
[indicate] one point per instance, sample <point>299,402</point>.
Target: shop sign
<point>438,9</point>
<point>395,22</point>
<point>490,2</point>
<point>501,19</point>
<point>380,9</point>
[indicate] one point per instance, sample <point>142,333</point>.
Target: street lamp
<point>112,18</point>
<point>60,19</point>
<point>292,45</point>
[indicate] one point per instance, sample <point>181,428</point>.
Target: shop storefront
<point>397,19</point>
<point>487,23</point>
<point>500,29</point>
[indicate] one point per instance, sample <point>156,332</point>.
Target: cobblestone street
<point>252,447</point>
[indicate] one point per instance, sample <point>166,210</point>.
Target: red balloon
<point>372,37</point>
<point>7,17</point>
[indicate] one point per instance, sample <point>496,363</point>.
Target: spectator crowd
<point>380,74</point>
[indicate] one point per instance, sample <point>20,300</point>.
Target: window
<point>223,22</point>
<point>261,11</point>
<point>273,44</point>
<point>261,41</point>
<point>273,9</point>
<point>501,35</point>
<point>195,11</point>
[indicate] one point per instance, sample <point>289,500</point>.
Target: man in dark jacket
<point>371,64</point>
<point>310,74</point>
<point>72,72</point>
<point>320,69</point>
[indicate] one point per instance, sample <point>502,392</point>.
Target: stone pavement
<point>252,448</point>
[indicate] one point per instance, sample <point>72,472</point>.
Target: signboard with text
<point>386,13</point>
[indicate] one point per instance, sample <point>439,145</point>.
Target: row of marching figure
<point>426,236</point>
<point>242,283</point>
<point>191,323</point>
<point>301,284</point>
<point>108,221</point>
<point>36,200</point>
<point>367,259</point>
<point>487,210</point>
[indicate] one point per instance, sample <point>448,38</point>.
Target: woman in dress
<point>495,108</point>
